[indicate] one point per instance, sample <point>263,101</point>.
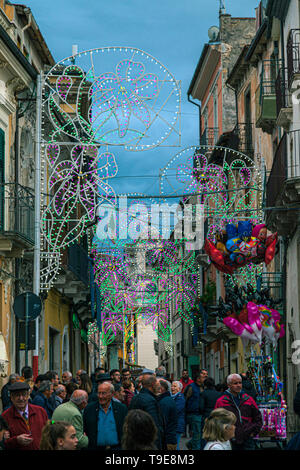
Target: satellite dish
<point>213,33</point>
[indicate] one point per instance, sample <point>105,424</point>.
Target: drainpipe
<point>37,205</point>
<point>199,107</point>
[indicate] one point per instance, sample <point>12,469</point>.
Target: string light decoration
<point>109,96</point>
<point>229,188</point>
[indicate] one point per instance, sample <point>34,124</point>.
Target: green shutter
<point>2,177</point>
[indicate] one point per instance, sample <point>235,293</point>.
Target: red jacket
<point>248,417</point>
<point>37,418</point>
<point>185,384</point>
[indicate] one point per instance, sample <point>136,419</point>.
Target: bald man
<point>71,413</point>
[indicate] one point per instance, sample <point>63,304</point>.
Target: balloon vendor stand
<point>269,399</point>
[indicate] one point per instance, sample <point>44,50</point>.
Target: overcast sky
<point>173,31</point>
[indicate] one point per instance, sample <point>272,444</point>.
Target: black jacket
<point>208,400</point>
<point>90,421</point>
<point>169,411</point>
<point>147,401</point>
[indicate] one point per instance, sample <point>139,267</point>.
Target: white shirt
<point>218,445</point>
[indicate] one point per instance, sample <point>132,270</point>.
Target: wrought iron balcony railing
<point>282,90</point>
<point>293,159</point>
<point>278,173</point>
<point>274,282</point>
<point>293,55</point>
<point>17,211</point>
<point>286,166</point>
<point>265,95</point>
<point>209,136</point>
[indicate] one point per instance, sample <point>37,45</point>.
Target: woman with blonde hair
<point>219,429</point>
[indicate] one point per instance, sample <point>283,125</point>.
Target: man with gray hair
<point>104,420</point>
<point>43,395</point>
<point>71,412</point>
<point>66,377</point>
<point>60,394</point>
<point>249,419</point>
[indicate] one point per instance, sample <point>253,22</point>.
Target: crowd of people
<point>119,411</point>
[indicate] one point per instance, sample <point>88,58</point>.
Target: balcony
<point>265,96</point>
<point>283,99</point>
<point>293,57</point>
<point>74,279</point>
<point>209,136</point>
<point>283,185</point>
<point>278,173</point>
<point>16,219</point>
<point>274,282</point>
<point>78,263</point>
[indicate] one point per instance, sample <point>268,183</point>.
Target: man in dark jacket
<point>193,412</point>
<point>169,412</point>
<point>42,397</point>
<point>249,419</point>
<point>103,420</point>
<point>208,398</point>
<point>147,400</point>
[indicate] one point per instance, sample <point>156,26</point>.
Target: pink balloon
<point>234,325</point>
<point>253,315</point>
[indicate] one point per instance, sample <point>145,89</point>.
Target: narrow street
<point>150,225</point>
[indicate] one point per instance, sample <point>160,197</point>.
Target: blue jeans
<point>196,429</point>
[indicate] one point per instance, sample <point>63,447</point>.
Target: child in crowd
<point>219,429</point>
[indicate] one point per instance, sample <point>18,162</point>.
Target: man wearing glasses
<point>25,421</point>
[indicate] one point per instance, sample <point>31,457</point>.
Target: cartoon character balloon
<point>240,245</point>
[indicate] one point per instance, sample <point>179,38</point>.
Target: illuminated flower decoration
<point>156,316</point>
<point>81,180</point>
<point>126,295</point>
<point>162,254</point>
<point>111,270</point>
<point>198,175</point>
<point>112,317</point>
<point>122,96</point>
<point>144,290</point>
<point>182,292</point>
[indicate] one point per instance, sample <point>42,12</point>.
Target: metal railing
<point>293,157</point>
<point>282,90</point>
<point>293,54</point>
<point>274,282</point>
<point>209,136</point>
<point>278,173</point>
<point>269,73</point>
<point>17,210</point>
